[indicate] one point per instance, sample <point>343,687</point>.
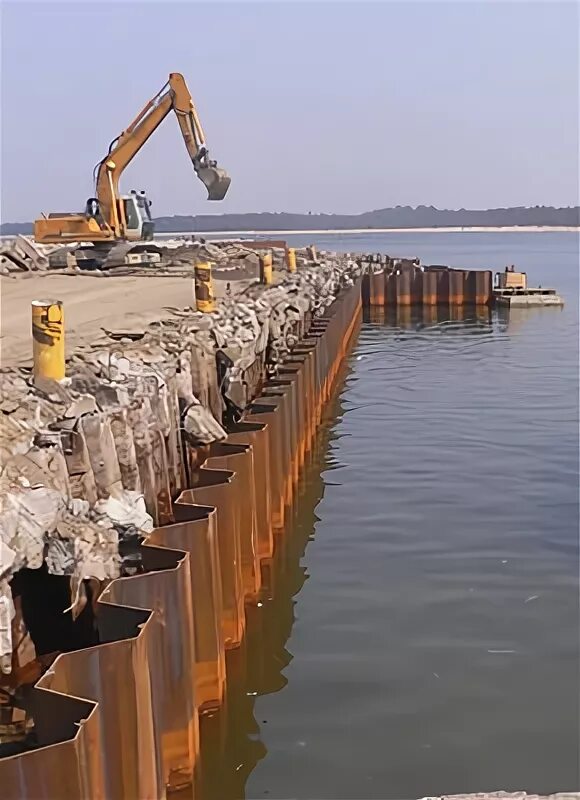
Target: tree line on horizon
<point>398,217</point>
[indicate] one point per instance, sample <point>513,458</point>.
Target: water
<point>421,635</point>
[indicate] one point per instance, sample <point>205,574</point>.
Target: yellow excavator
<point>112,223</point>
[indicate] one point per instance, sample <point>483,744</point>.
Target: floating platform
<point>527,298</point>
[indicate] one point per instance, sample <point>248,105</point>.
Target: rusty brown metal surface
<point>120,720</point>
<point>196,534</point>
<point>407,284</point>
<point>456,288</point>
<point>239,459</point>
<point>117,676</point>
<point>68,762</point>
<point>257,435</point>
<point>374,288</point>
<point>268,412</point>
<point>220,488</point>
<point>429,289</point>
<point>165,589</point>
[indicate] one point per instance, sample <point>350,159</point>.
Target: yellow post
<point>204,296</point>
<point>291,259</point>
<point>266,268</point>
<point>48,339</point>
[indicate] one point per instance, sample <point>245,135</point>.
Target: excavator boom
<point>110,217</point>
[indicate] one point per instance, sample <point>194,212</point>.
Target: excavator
<point>113,223</point>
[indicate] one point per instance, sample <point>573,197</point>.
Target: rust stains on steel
<point>121,719</point>
<point>391,282</point>
<point>192,436</point>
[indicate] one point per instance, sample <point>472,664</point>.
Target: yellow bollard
<point>48,339</point>
<point>291,259</point>
<point>204,296</point>
<point>266,268</point>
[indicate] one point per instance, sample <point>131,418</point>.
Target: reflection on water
<point>231,741</point>
<point>435,646</point>
<point>416,317</point>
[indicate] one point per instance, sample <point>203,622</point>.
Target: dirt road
<point>90,304</point>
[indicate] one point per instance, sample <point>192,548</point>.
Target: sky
<point>310,106</point>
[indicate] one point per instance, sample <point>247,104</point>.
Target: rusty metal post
<point>429,288</point>
<point>48,339</point>
<point>378,289</point>
<point>417,287</point>
<point>266,269</point>
<point>456,287</point>
<point>204,296</point>
<point>291,259</point>
<point>483,288</point>
<point>442,287</point>
<point>403,287</point>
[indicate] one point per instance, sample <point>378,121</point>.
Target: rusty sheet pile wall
<point>161,470</point>
<point>154,481</point>
<point>396,282</point>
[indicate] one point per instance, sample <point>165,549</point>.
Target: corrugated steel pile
<point>151,483</point>
<point>159,438</point>
<point>397,282</point>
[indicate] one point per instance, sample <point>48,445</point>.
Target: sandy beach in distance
<point>350,231</point>
<point>345,231</point>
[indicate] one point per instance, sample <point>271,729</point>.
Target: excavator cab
<point>139,224</point>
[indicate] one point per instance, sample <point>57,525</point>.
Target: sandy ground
<point>90,304</point>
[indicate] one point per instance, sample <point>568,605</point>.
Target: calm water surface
<point>420,633</point>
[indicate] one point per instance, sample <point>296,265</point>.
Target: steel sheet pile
<point>156,477</point>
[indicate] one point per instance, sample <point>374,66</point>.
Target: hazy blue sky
<point>329,106</point>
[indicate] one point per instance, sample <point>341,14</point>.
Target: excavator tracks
<point>120,254</point>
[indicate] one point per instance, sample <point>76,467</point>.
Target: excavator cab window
<point>132,214</point>
<point>144,203</point>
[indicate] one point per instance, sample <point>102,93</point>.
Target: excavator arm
<point>104,219</point>
<point>173,96</point>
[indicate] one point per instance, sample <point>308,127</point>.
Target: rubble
<point>90,465</point>
<point>94,459</point>
<point>22,254</point>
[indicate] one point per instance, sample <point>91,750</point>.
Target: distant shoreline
<point>350,231</point>
<point>356,231</point>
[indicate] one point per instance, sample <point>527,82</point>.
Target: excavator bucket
<point>215,180</point>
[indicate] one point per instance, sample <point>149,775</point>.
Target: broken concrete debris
<point>90,466</point>
<point>22,254</point>
<point>93,461</point>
